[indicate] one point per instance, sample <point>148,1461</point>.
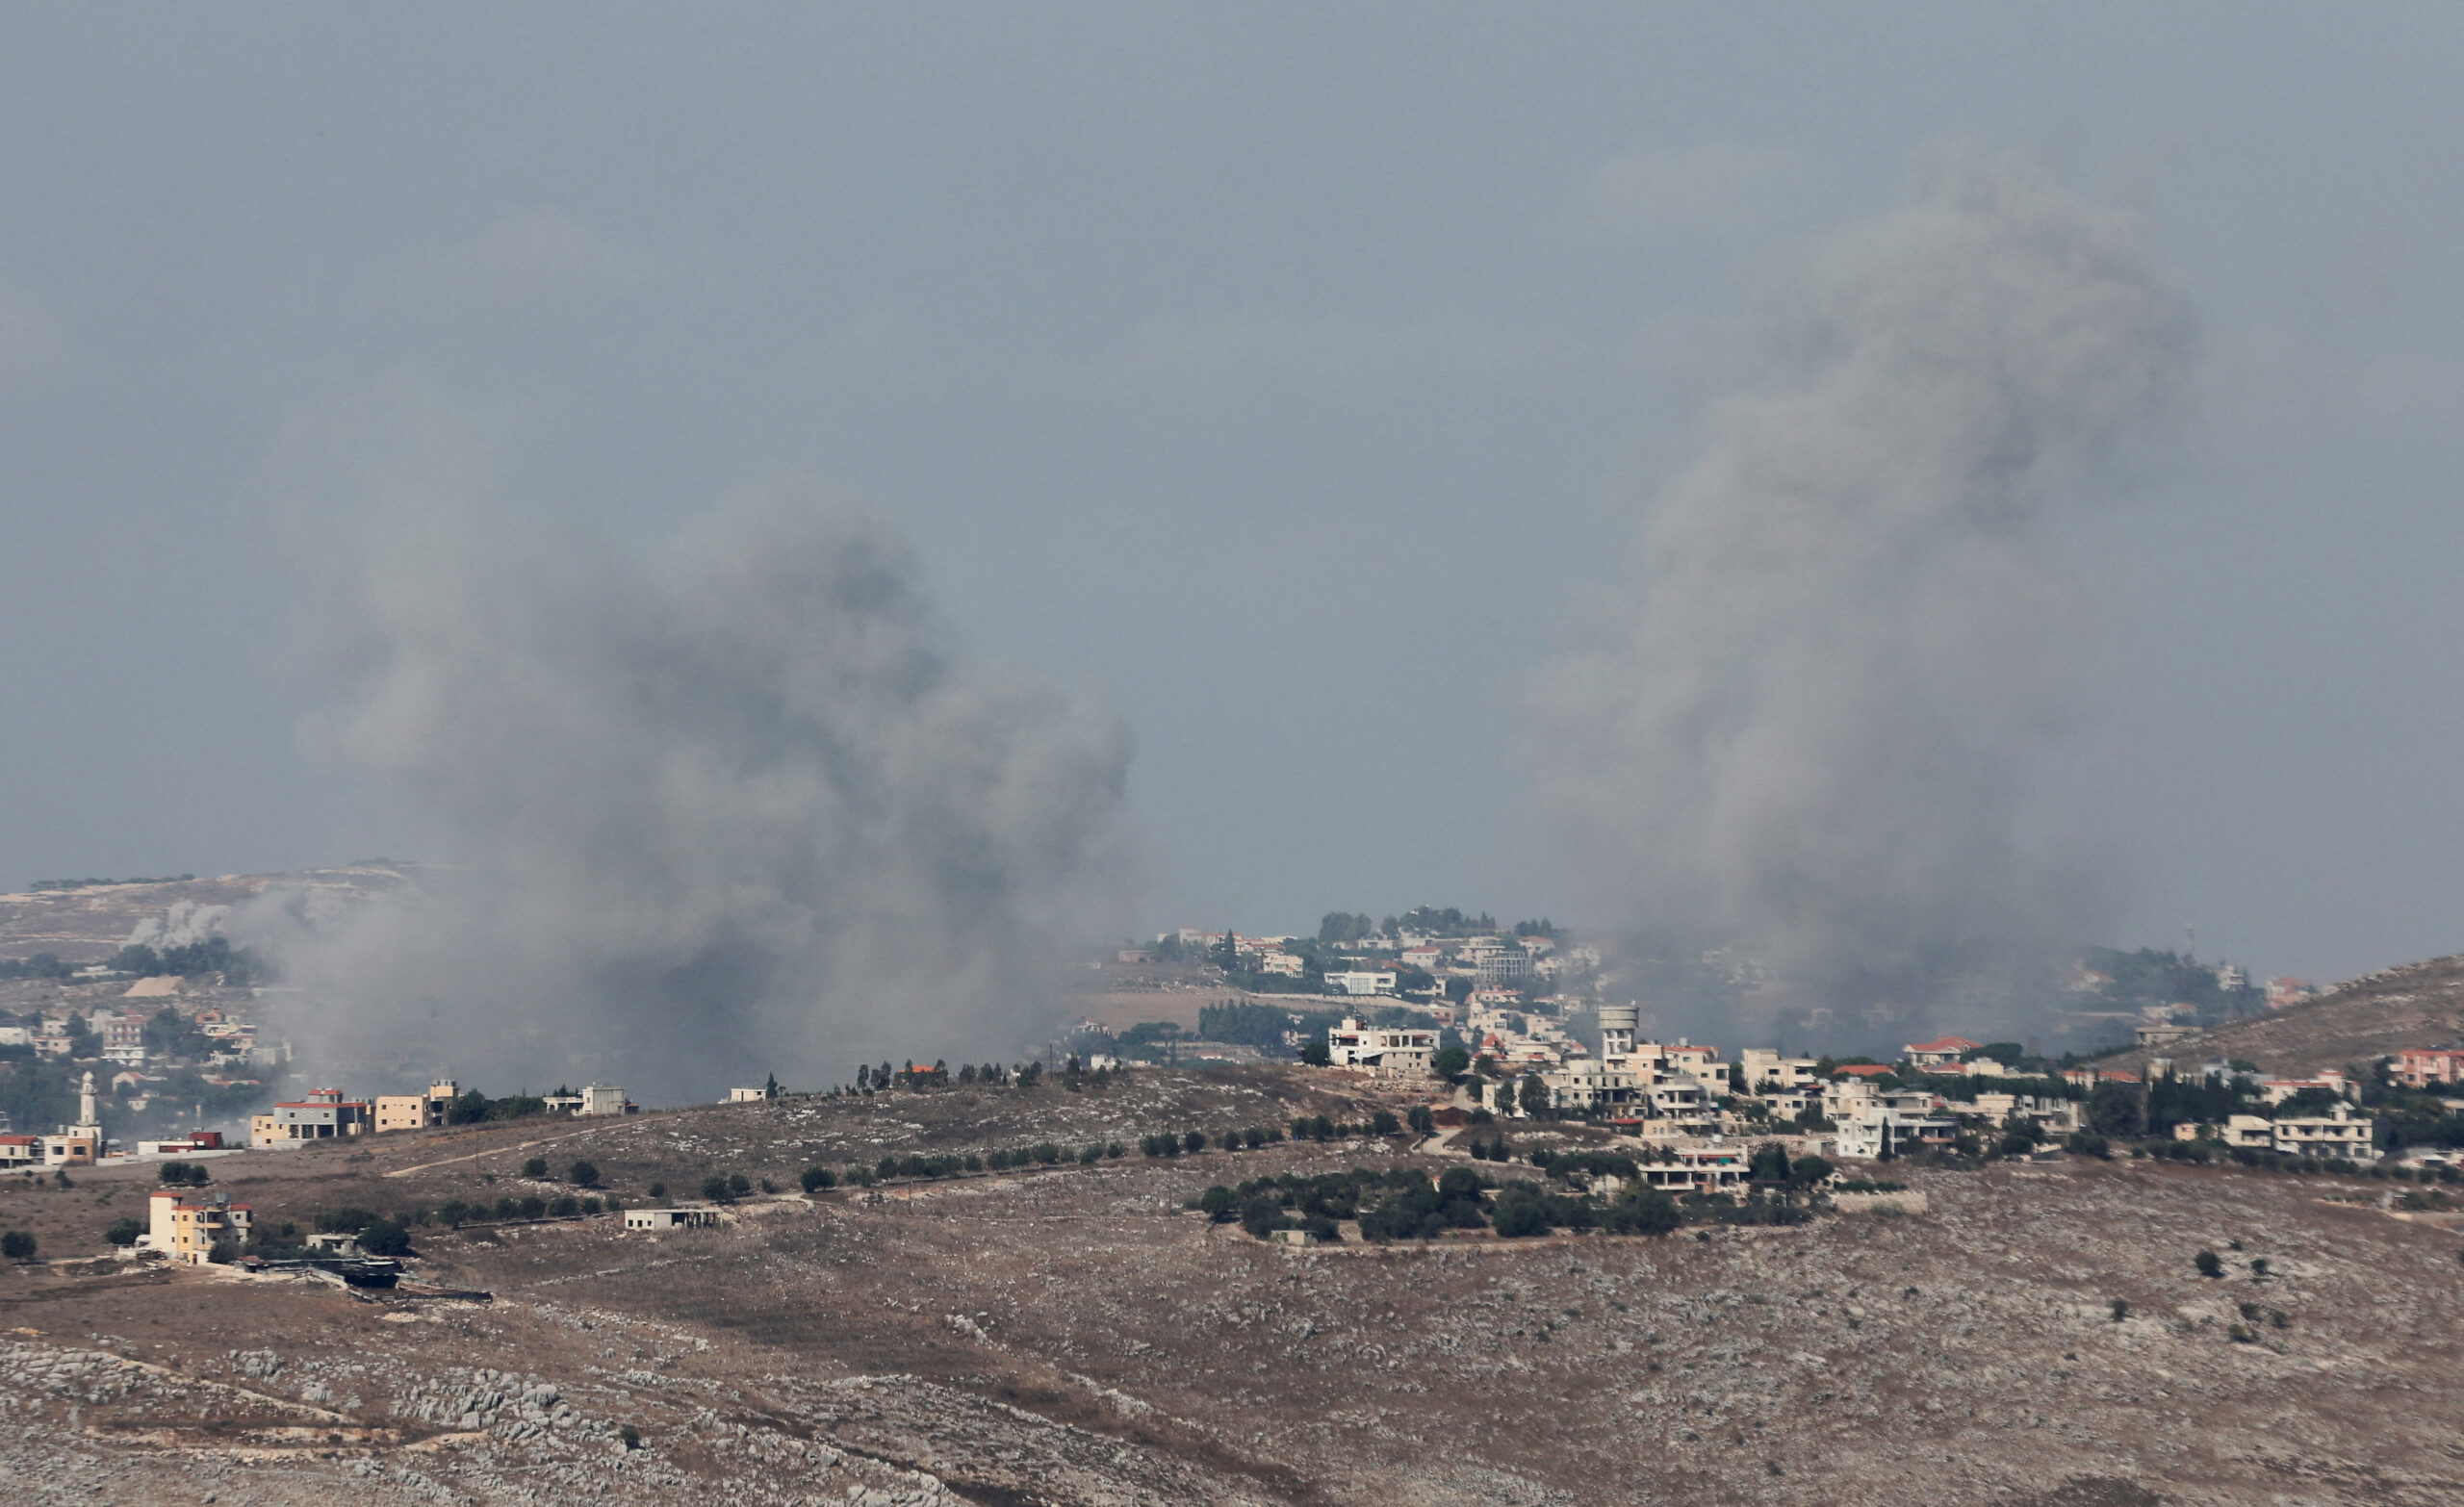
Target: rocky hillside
<point>2418,1005</point>
<point>2038,1336</point>
<point>88,923</point>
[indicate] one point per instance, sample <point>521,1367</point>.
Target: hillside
<point>87,924</point>
<point>2373,1017</point>
<point>1072,1333</point>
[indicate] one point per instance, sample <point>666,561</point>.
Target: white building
<point>1360,981</point>
<point>1876,1129</point>
<point>1766,1066</point>
<point>657,1220</point>
<point>605,1099</point>
<point>1393,1050</point>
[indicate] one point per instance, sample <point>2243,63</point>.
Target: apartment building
<point>1395,1050</point>
<point>186,1225</point>
<point>322,1116</point>
<point>403,1111</point>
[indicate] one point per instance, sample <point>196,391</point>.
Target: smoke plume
<point>727,806</point>
<point>1800,728</point>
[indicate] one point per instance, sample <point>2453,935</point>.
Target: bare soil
<point>1075,1334</point>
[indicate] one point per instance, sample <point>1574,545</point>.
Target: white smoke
<point>728,808</point>
<point>1801,730</point>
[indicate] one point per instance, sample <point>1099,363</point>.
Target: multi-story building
<point>186,1225</point>
<point>1395,1050</point>
<point>1765,1068</point>
<point>1877,1131</point>
<point>2429,1068</point>
<point>401,1112</point>
<point>1939,1053</point>
<point>324,1115</point>
<point>605,1099</point>
<point>1360,981</point>
<point>2056,1116</point>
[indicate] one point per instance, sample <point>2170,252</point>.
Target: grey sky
<point>1278,374</point>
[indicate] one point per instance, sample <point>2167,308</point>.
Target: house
<point>748,1096</point>
<point>606,1099</point>
<point>77,1146</point>
<point>2275,1091</point>
<point>657,1220</point>
<point>1360,981</point>
<point>1393,1050</point>
<point>2060,1116</point>
<point>2429,1068</point>
<point>122,1036</point>
<point>1943,1052</point>
<point>2339,1132</point>
<point>401,1112</point>
<point>1862,1070</point>
<point>322,1116</point>
<point>1765,1069</point>
<point>20,1151</point>
<point>186,1225</point>
<point>1878,1131</point>
<point>1710,1167</point>
<point>1288,965</point>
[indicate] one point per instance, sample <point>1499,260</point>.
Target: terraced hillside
<point>1073,1334</point>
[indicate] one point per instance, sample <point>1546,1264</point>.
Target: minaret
<point>86,1103</point>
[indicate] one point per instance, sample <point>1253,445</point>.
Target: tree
<point>715,1188</point>
<point>1534,1098</point>
<point>2209,1264</point>
<point>123,1231</point>
<point>1421,1120</point>
<point>1217,1203</point>
<point>385,1238</point>
<point>582,1175</point>
<point>1450,1063</point>
<point>770,1086</point>
<point>536,1166</point>
<point>739,1184</point>
<point>17,1245</point>
<point>1195,1142</point>
<point>1316,1053</point>
<point>1769,1164</point>
<point>815,1179</point>
<point>1810,1171</point>
<point>1383,1123</point>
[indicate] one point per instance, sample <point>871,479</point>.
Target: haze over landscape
<point>1256,755</point>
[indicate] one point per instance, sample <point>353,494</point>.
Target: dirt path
<point>492,1151</point>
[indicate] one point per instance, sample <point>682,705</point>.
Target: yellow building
<point>401,1111</point>
<point>186,1225</point>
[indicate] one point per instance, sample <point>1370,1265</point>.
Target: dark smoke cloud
<point>1801,730</point>
<point>727,806</point>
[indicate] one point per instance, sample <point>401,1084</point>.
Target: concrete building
<point>2429,1068</point>
<point>324,1115</point>
<point>186,1225</point>
<point>1764,1065</point>
<point>1877,1129</point>
<point>1393,1050</point>
<point>657,1220</point>
<point>401,1112</point>
<point>605,1099</point>
<point>1930,1055</point>
<point>1360,982</point>
<point>2057,1116</point>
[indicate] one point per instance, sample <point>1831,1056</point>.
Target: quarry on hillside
<point>1074,1333</point>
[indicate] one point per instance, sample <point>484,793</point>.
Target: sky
<point>1283,379</point>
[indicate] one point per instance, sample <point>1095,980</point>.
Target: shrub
<point>2209,1264</point>
<point>533,1207</point>
<point>739,1184</point>
<point>1088,1155</point>
<point>2258,1266</point>
<point>564,1205</point>
<point>1112,1148</point>
<point>1516,1217</point>
<point>590,1206</point>
<point>385,1238</point>
<point>536,1166</point>
<point>657,1189</point>
<point>582,1174</point>
<point>714,1187</point>
<point>815,1179</point>
<point>345,1220</point>
<point>123,1231</point>
<point>2121,1309</point>
<point>1195,1142</point>
<point>174,1173</point>
<point>1046,1153</point>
